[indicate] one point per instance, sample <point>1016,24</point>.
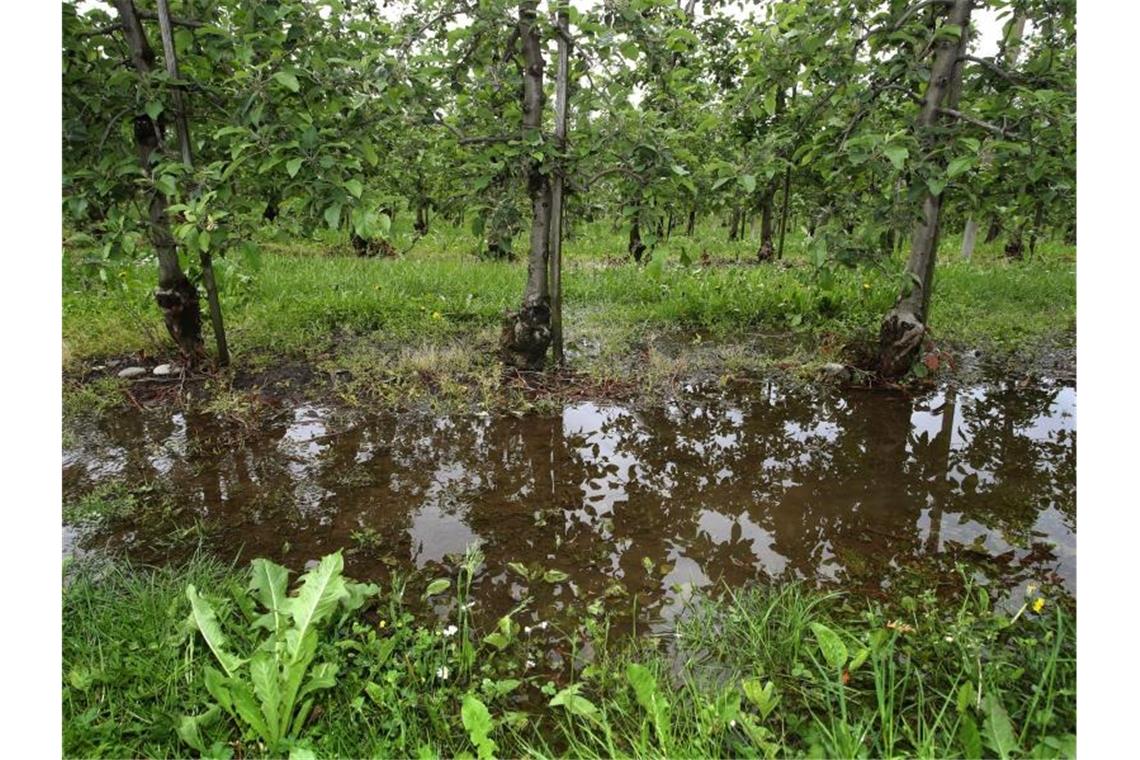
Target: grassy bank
<point>295,298</point>
<point>780,670</point>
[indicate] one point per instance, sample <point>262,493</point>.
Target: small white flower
<point>949,638</point>
<point>732,724</point>
<point>530,664</point>
<point>442,673</point>
<point>536,627</point>
<point>450,631</point>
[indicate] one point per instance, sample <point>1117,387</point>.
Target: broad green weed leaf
<point>477,720</point>
<point>203,615</point>
<point>321,589</point>
<point>573,702</point>
<point>832,647</point>
<point>997,728</point>
<point>438,586</point>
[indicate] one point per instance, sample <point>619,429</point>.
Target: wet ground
<point>636,507</point>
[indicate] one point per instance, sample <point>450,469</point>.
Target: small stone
<point>131,373</point>
<point>835,371</point>
<point>163,370</point>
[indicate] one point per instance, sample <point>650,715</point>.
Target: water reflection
<point>739,488</point>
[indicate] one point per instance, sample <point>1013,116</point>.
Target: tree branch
<point>991,66</point>
<point>188,23</point>
<point>974,120</point>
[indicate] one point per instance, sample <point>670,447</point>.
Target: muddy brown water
<point>638,507</point>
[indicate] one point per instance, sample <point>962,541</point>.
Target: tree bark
<point>969,238</point>
<point>526,332</point>
<point>205,258</point>
<point>994,230</point>
<point>175,295</point>
<point>636,247</point>
<point>1038,218</point>
<point>561,97</point>
<point>692,224</point>
<point>904,326</point>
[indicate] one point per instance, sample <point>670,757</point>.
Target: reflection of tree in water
<point>836,487</point>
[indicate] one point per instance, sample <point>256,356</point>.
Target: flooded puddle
<point>636,507</point>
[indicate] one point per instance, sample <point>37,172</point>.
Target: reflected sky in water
<point>743,488</point>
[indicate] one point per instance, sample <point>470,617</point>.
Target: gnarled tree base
<point>766,252</point>
<point>525,337</point>
<point>899,337</point>
<point>183,317</point>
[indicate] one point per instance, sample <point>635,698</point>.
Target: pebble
<point>163,370</point>
<point>132,372</point>
<point>835,371</point>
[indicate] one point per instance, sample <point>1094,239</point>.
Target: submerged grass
<point>767,671</point>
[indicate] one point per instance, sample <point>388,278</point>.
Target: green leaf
<point>966,696</point>
<point>763,697</point>
<point>574,703</point>
<point>644,684</point>
<point>322,588</point>
<point>832,647</point>
<point>969,738</point>
<point>354,187</point>
<point>748,182</point>
<point>997,728</point>
<point>770,102</point>
<point>554,576</point>
<point>438,586</point>
<point>153,109</point>
<point>165,185</point>
<point>497,640</point>
<point>897,154</point>
<point>189,728</point>
<point>268,582</point>
<point>288,79</point>
<point>369,153</point>
<point>959,165</point>
<point>264,674</point>
<point>332,216</point>
<point>477,720</point>
<point>936,186</point>
<point>203,616</point>
<point>293,165</point>
<point>519,569</point>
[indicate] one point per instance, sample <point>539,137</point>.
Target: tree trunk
<point>994,230</point>
<point>904,326</point>
<point>176,295</point>
<point>1038,218</point>
<point>205,259</point>
<point>787,192</point>
<point>526,332</point>
<point>561,97</point>
<point>969,238</point>
<point>734,225</point>
<point>692,225</point>
<point>636,247</point>
<point>767,247</point>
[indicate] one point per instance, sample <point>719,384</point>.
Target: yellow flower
<point>383,624</point>
<point>1039,604</point>
<point>866,286</point>
<point>436,315</point>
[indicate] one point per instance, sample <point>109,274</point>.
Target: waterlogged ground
<point>630,507</point>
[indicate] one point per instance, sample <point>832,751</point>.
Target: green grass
<point>426,325</point>
<point>769,671</point>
